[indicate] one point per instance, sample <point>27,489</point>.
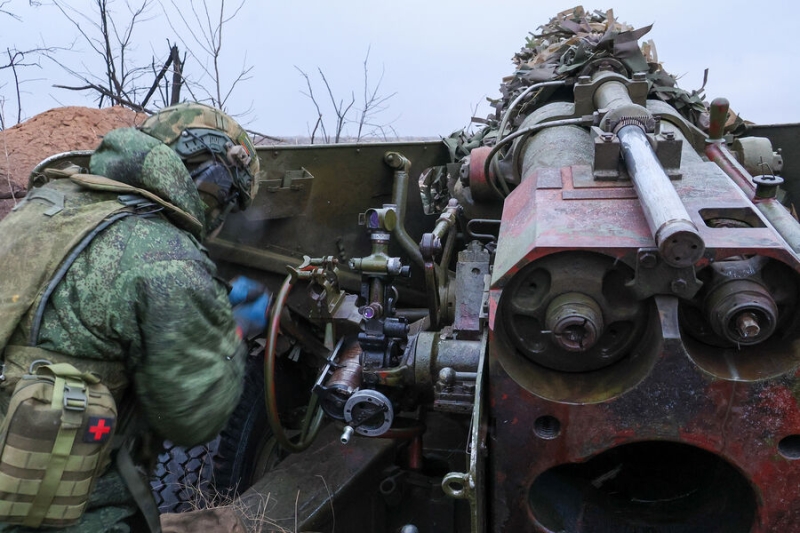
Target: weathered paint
<point>678,392</point>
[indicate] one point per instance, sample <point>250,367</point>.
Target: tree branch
<point>159,76</point>
<point>107,94</point>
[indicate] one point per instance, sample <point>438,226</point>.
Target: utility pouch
<point>54,442</point>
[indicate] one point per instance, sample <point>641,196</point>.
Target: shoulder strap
<point>36,240</point>
<point>101,183</point>
<point>62,271</point>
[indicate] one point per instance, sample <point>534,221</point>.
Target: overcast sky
<point>440,57</point>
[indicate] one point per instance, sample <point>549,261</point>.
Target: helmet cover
<point>192,129</point>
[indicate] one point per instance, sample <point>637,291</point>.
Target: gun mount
<point>582,317</point>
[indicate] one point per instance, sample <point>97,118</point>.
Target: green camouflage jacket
<point>144,294</point>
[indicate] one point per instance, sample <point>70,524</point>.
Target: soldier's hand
<point>251,317</point>
<point>245,290</point>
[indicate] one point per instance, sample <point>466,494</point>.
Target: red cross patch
<point>98,430</point>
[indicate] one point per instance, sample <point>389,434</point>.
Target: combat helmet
<point>209,141</point>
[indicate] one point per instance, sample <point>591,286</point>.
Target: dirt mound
<point>54,131</point>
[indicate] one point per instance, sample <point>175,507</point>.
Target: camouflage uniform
<point>144,295</point>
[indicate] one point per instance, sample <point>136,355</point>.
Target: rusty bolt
<point>678,286</point>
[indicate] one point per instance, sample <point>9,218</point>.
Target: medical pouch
<point>55,441</point>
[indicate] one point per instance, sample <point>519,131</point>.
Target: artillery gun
<point>582,318</point>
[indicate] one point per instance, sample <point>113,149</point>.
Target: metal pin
<point>747,324</point>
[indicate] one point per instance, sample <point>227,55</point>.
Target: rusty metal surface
<point>585,451</point>
<point>693,424</point>
<point>744,423</point>
<point>619,229</point>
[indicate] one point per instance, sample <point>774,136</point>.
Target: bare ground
<point>58,130</point>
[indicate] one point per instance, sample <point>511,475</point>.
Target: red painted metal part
<point>680,394</point>
<point>741,423</point>
<point>415,453</point>
<point>478,181</point>
<point>717,153</point>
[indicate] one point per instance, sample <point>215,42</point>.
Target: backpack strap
<point>130,426</point>
<point>69,395</point>
<point>64,267</point>
<point>138,488</point>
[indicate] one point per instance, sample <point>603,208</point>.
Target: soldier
<point>129,295</point>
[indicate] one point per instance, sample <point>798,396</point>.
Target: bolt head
<point>648,260</point>
<point>678,286</point>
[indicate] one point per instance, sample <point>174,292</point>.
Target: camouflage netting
<point>568,46</point>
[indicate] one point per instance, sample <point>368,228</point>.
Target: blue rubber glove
<point>244,290</point>
<point>251,317</point>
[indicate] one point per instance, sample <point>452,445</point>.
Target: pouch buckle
<point>75,398</point>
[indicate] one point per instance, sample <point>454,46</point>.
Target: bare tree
<point>340,109</point>
<point>17,60</point>
<point>320,123</point>
<point>174,61</point>
<point>110,33</point>
<point>374,104</point>
<point>111,27</point>
<point>7,12</point>
<point>367,117</point>
<point>113,43</point>
<point>203,26</point>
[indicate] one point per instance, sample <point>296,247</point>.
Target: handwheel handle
<point>313,419</point>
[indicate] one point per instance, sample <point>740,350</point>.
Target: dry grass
<point>254,512</point>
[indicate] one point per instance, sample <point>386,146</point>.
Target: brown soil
<point>58,130</point>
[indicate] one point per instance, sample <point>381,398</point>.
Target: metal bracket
<point>471,485</point>
<point>607,154</point>
<point>655,276</point>
<point>292,179</point>
<point>282,197</point>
